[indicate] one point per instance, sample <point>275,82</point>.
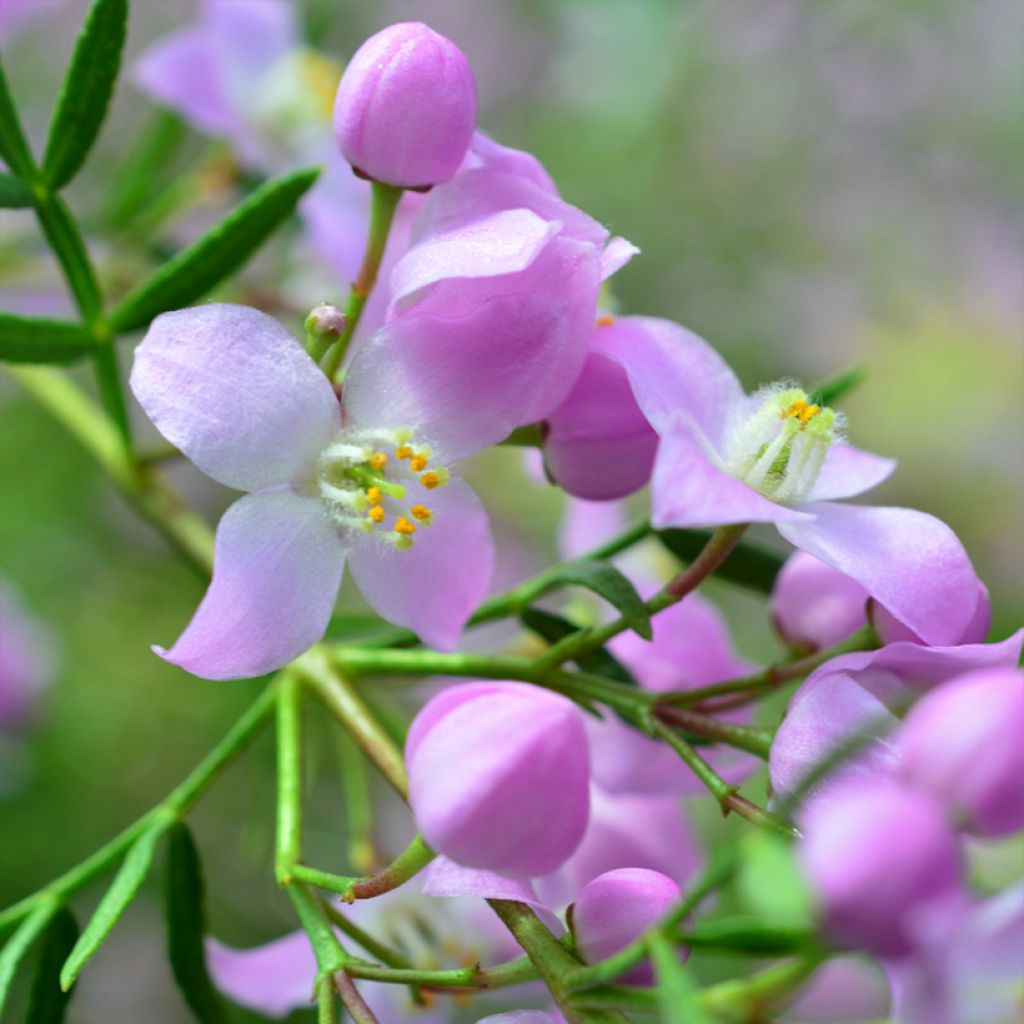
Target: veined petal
<point>849,471</point>
<point>432,587</point>
<point>272,979</point>
<point>236,393</point>
<point>689,489</point>
<point>908,561</point>
<point>276,571</point>
<point>673,372</point>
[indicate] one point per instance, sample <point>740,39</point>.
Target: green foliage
<point>35,339</point>
<point>833,388</point>
<point>18,944</point>
<point>14,149</point>
<point>185,915</point>
<point>48,1000</point>
<point>86,91</point>
<point>14,195</point>
<point>770,882</point>
<point>606,581</point>
<point>122,891</point>
<point>750,565</point>
<point>197,270</point>
<point>678,994</point>
<point>553,628</point>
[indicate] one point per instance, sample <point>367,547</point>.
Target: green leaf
<point>48,1002</point>
<point>14,194</point>
<point>14,149</point>
<point>18,944</point>
<point>770,882</point>
<point>184,912</point>
<point>86,91</point>
<point>195,271</point>
<point>678,994</point>
<point>830,390</point>
<point>553,628</point>
<point>126,884</point>
<point>35,339</point>
<point>750,565</point>
<point>606,581</point>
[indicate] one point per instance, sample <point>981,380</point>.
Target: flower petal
<point>276,571</point>
<point>615,255</point>
<point>236,393</point>
<point>849,471</point>
<point>443,877</point>
<point>272,979</point>
<point>248,39</point>
<point>688,489</point>
<point>673,372</point>
<point>907,560</point>
<point>434,586</point>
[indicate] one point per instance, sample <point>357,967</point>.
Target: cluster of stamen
<point>780,449</point>
<point>361,483</point>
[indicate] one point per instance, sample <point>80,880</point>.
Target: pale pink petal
<point>689,489</point>
<point>908,561</point>
<point>615,255</point>
<point>249,38</point>
<point>231,388</point>
<point>272,979</point>
<point>446,878</point>
<point>276,571</point>
<point>433,587</point>
<point>849,471</point>
<point>485,152</point>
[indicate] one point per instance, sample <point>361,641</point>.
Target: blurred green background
<point>813,184</point>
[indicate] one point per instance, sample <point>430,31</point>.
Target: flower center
<point>779,450</point>
<point>368,480</point>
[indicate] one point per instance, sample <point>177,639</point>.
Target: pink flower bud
<point>876,854</point>
<point>325,322</point>
<point>406,107</point>
<point>616,908</point>
<point>963,744</point>
<point>816,606</point>
<point>498,777</point>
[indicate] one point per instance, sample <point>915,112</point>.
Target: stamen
<point>418,463</point>
<point>421,512</point>
<point>404,452</point>
<point>373,496</point>
<point>604,321</point>
<point>378,460</point>
<point>403,526</point>
<point>435,478</point>
<point>377,513</point>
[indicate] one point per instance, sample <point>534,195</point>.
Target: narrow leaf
<point>14,149</point>
<point>14,194</point>
<point>85,94</point>
<point>185,915</point>
<point>832,389</point>
<point>678,995</point>
<point>35,339</point>
<point>771,884</point>
<point>122,891</point>
<point>553,628</point>
<point>750,565</point>
<point>48,1001</point>
<point>606,581</point>
<point>18,944</point>
<point>195,271</point>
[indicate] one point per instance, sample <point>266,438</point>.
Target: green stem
<point>745,997</point>
<point>385,954</point>
<point>330,956</point>
<point>353,1001</point>
<point>359,815</point>
<point>472,977</point>
<point>289,777</point>
<point>743,737</point>
<point>177,803</point>
<point>410,862</point>
<point>383,204</point>
<point>326,1005</point>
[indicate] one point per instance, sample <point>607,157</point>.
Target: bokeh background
<point>815,184</point>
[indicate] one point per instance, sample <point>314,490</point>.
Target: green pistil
<point>368,478</point>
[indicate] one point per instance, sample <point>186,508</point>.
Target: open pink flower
<point>775,456</point>
<point>367,482</point>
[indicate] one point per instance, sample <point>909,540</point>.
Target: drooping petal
<point>673,373</point>
<point>615,255</point>
<point>231,388</point>
<point>849,471</point>
<point>443,877</point>
<point>432,587</point>
<point>907,560</point>
<point>272,979</point>
<point>276,571</point>
<point>508,358</point>
<point>689,489</point>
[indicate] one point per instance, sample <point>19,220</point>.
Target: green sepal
<point>48,1001</point>
<point>86,91</point>
<point>36,339</point>
<point>750,565</point>
<point>198,269</point>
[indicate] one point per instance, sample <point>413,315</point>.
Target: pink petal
<point>615,255</point>
<point>433,587</point>
<point>689,489</point>
<point>276,571</point>
<point>248,40</point>
<point>272,979</point>
<point>673,372</point>
<point>446,878</point>
<point>236,393</point>
<point>848,471</point>
<point>485,152</point>
<point>908,561</point>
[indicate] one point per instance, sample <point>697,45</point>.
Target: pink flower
<point>498,777</point>
<point>618,907</point>
<point>406,107</point>
<point>844,990</point>
<point>777,457</point>
<point>962,743</point>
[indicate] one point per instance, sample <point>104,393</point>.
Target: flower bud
<point>406,107</point>
<point>325,323</point>
<point>816,606</point>
<point>616,908</point>
<point>498,777</point>
<point>963,744</point>
<point>876,854</point>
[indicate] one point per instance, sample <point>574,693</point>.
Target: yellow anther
<point>801,410</point>
<point>604,321</point>
<point>378,460</point>
<point>421,512</point>
<point>403,526</point>
<point>809,413</point>
<point>430,481</point>
<point>373,496</point>
<point>405,452</point>
<point>418,463</point>
<point>377,514</point>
